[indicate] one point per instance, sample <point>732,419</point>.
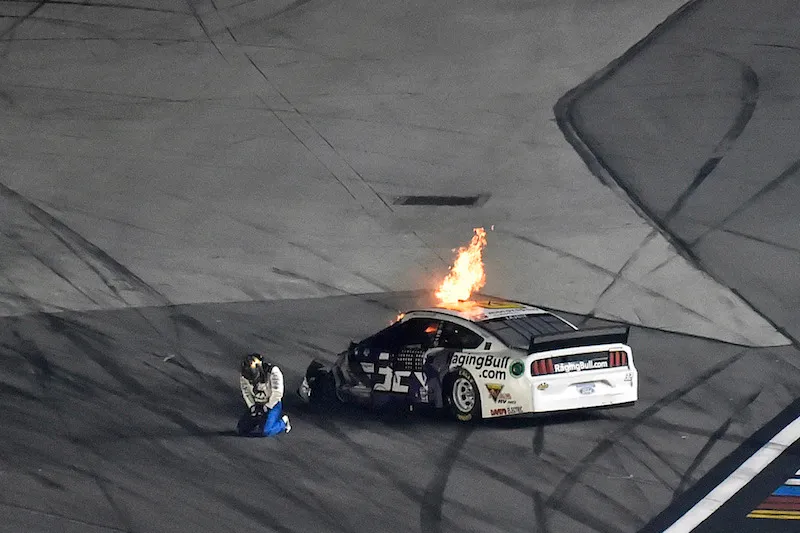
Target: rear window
<point>517,331</point>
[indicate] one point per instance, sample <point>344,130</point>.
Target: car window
<point>387,339</point>
<point>420,332</point>
<point>459,337</point>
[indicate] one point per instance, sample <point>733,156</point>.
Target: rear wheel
<point>463,396</point>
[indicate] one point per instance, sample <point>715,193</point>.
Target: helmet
<point>252,368</point>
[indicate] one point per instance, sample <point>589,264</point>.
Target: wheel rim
<point>463,395</point>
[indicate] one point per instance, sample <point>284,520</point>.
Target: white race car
<point>481,359</point>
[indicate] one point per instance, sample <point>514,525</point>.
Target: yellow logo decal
<point>494,390</point>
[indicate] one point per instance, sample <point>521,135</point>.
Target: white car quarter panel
<point>503,394</point>
<point>571,381</point>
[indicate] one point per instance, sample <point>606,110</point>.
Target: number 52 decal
<point>394,381</point>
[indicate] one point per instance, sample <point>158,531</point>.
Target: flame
<point>467,274</point>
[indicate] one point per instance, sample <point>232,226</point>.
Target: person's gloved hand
<point>256,409</point>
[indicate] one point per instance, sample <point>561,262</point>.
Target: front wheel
<point>463,396</point>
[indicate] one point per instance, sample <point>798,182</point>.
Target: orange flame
<point>467,274</point>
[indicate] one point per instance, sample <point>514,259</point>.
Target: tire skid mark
<point>323,257</point>
<point>258,513</point>
<point>772,185</point>
<point>51,514</point>
<point>559,494</point>
<point>64,321</point>
<point>223,342</point>
<point>762,240</point>
<point>472,511</point>
<point>66,23</point>
<point>680,428</point>
<point>169,376</point>
<point>318,509</point>
<point>46,481</point>
<point>635,485</point>
<point>405,488</point>
<point>122,515</point>
<point>22,19</point>
<point>293,6</point>
<point>601,270</point>
<point>658,477</point>
<point>12,390</point>
<point>49,266</point>
<point>203,26</point>
<point>618,275</point>
<point>123,378</point>
<point>319,284</point>
<point>778,46</point>
<point>430,513</point>
<point>738,409</point>
<point>60,326</point>
<point>177,318</point>
<point>538,441</point>
<point>526,490</point>
<point>749,99</point>
<point>199,476</point>
<point>28,349</point>
<point>540,513</point>
<point>88,3</point>
<point>87,252</point>
<point>585,516</point>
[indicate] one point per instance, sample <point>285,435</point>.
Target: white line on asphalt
<point>738,479</point>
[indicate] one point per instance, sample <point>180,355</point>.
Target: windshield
<point>517,331</point>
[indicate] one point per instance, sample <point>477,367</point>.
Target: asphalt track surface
<point>696,126</point>
<point>698,141</point>
<point>122,420</point>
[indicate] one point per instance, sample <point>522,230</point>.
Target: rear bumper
<point>585,390</point>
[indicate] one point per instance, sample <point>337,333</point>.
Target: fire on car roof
<point>467,273</point>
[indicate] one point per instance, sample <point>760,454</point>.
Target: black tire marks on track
<point>749,99</point>
<point>583,145</point>
<point>111,273</point>
<point>95,259</point>
<point>559,495</point>
<point>686,478</point>
<point>431,499</point>
<point>430,513</point>
<point>772,185</point>
<point>49,514</point>
<point>22,19</point>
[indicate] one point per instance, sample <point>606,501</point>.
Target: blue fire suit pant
<point>263,424</point>
<point>274,424</point>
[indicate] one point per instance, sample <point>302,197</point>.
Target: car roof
<point>482,310</point>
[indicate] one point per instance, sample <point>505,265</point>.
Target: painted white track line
<point>738,479</point>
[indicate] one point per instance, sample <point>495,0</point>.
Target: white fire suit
<point>268,394</point>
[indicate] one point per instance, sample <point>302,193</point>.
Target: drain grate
<point>456,201</point>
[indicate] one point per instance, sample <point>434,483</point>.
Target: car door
<point>453,339</point>
<point>401,364</point>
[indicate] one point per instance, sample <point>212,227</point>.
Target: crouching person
<point>262,389</point>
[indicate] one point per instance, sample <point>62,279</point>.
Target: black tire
<point>462,396</point>
<point>323,390</point>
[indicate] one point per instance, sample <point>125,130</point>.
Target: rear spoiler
<point>581,337</point>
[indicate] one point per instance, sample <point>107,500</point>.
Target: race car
<point>481,359</point>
